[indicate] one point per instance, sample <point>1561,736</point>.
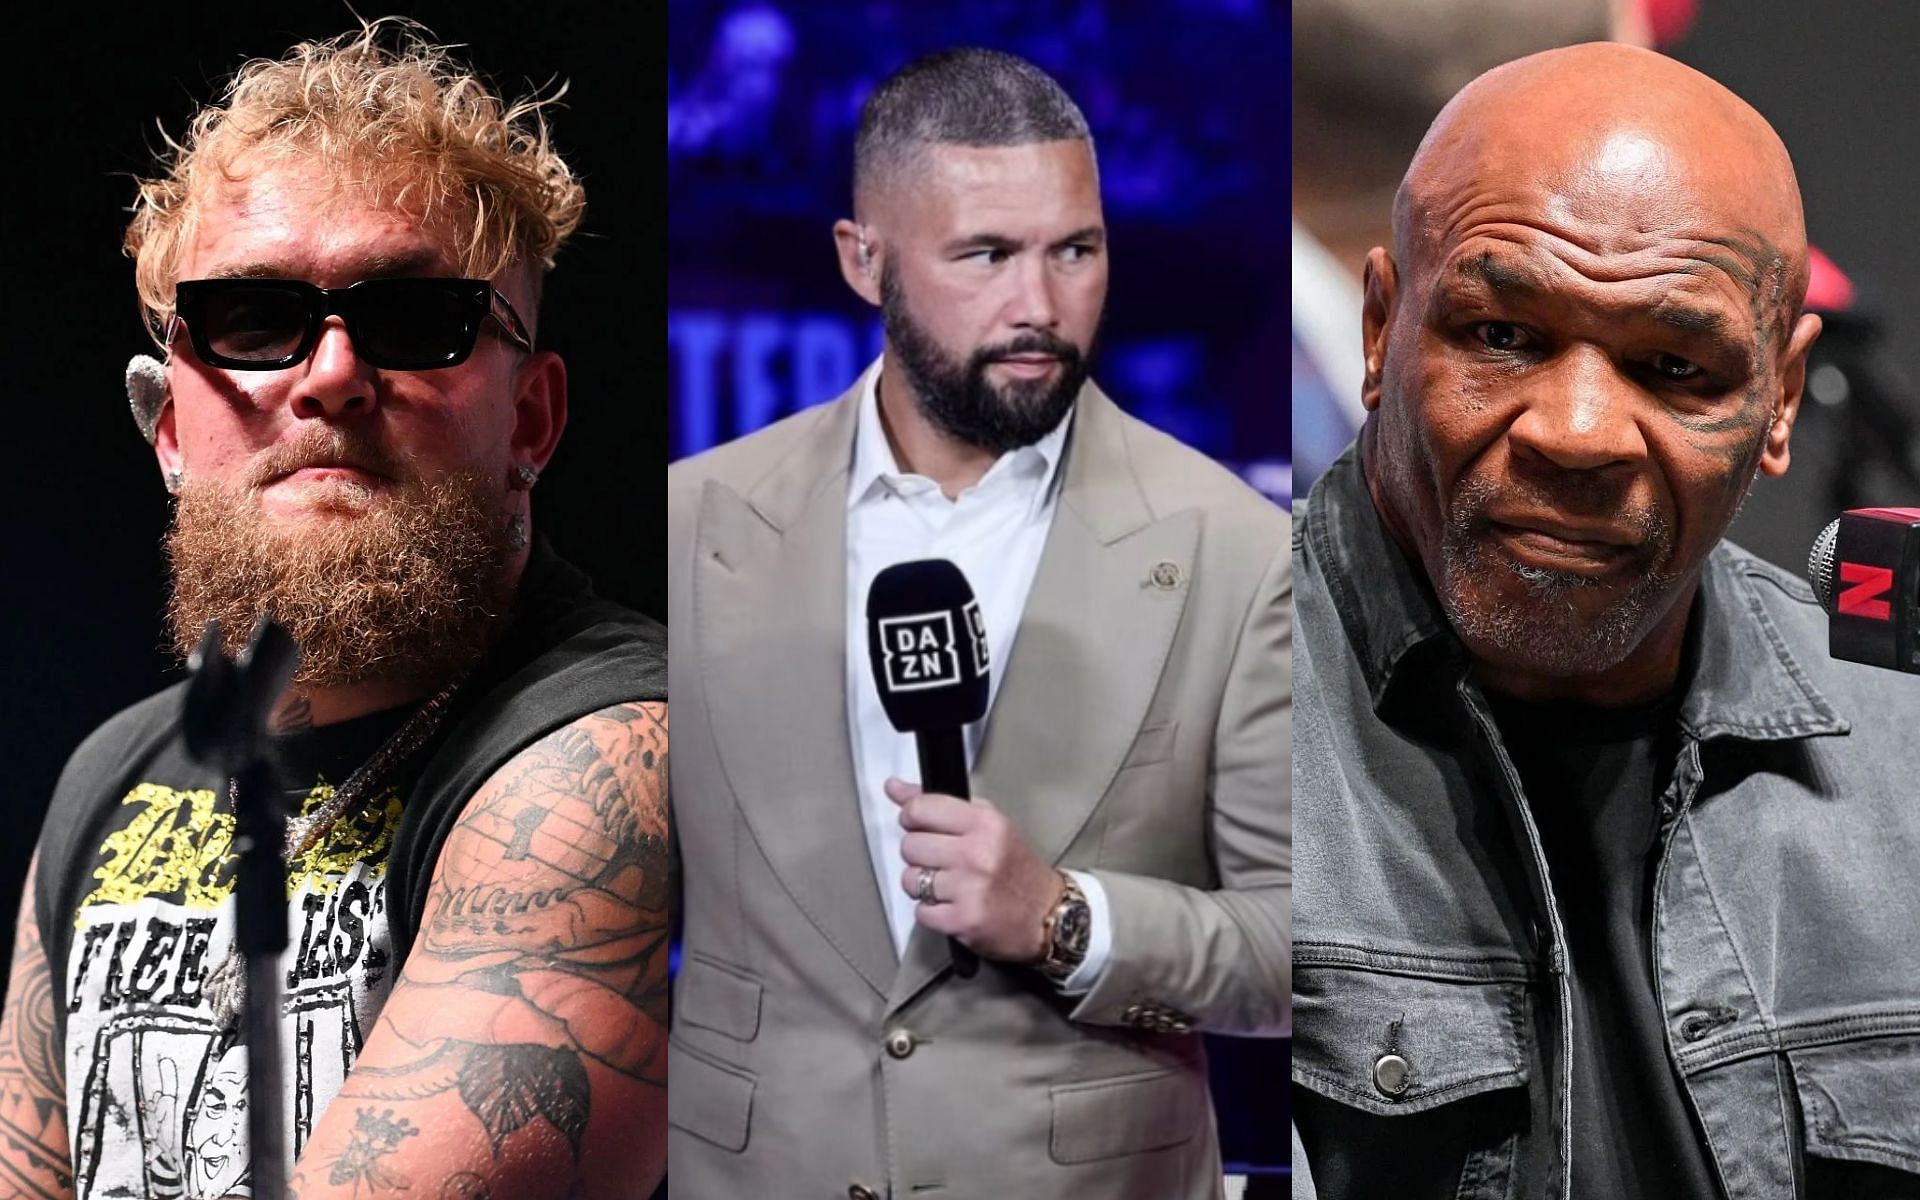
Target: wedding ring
<point>924,892</point>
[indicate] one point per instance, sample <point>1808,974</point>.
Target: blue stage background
<point>1188,105</point>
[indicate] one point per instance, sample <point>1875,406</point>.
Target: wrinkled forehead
<point>1610,200</point>
<point>1616,142</point>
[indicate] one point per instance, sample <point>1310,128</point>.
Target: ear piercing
<point>525,477</point>
<point>176,478</point>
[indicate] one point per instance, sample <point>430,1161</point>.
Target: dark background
<point>83,572</point>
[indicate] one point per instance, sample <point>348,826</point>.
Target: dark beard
<point>411,590</point>
<point>955,396</point>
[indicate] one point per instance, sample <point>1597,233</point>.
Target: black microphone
<point>1865,571</point>
<point>928,649</point>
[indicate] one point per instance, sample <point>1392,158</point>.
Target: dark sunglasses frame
<point>191,298</point>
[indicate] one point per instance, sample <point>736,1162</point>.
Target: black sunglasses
<point>401,324</point>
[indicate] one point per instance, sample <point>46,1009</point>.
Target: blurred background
<point>1184,100</point>
<point>1836,81</point>
<point>84,575</point>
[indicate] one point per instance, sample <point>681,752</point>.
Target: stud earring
<point>525,477</point>
<point>176,478</point>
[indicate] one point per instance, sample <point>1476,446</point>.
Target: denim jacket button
<point>1390,1075</point>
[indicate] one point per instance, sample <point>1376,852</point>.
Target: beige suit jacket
<point>1142,732</point>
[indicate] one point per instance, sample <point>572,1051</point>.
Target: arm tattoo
<point>34,1158</point>
<point>582,818</point>
<point>539,973</point>
<point>375,1136</point>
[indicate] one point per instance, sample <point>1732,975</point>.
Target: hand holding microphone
<point>993,892</point>
<point>976,878</point>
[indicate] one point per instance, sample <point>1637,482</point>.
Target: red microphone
<point>1865,571</point>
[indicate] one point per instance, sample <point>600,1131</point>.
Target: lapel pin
<point>1165,576</point>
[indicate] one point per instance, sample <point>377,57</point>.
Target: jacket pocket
<point>712,1102</point>
<point>1411,1074</point>
<point>718,997</point>
<point>1393,1043</point>
<point>1129,1114</point>
<point>1860,1101</point>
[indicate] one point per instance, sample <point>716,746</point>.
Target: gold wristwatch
<point>1068,928</point>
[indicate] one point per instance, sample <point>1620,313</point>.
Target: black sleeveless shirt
<point>136,865</point>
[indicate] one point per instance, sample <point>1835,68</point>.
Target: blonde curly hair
<point>406,127</point>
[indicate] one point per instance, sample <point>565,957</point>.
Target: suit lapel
<point>1092,644</point>
<point>770,582</point>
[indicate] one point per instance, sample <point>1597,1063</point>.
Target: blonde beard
<point>409,588</point>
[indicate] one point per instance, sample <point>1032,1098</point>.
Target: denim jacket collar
<point>1746,681</point>
<point>1743,681</point>
<point>1392,618</point>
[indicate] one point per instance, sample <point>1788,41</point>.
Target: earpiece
<point>146,392</point>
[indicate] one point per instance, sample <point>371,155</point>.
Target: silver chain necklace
<point>225,986</point>
<point>304,833</point>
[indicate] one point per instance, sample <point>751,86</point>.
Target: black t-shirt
<point>136,865</point>
<point>1593,779</point>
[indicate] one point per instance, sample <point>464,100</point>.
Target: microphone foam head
<point>927,645</point>
<point>1820,564</point>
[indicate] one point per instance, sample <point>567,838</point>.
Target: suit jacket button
<point>1132,1014</point>
<point>861,1191</point>
<point>900,1043</point>
<point>1390,1075</point>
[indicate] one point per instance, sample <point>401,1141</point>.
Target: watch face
<point>1071,933</point>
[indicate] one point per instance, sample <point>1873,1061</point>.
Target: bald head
<point>1585,345</point>
<point>1604,143</point>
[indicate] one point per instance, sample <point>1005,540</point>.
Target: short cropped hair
<point>962,97</point>
<point>406,127</point>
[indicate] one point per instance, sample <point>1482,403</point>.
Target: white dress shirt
<point>994,532</point>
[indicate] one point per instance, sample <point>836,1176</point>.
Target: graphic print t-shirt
<point>156,1079</point>
<point>136,874</point>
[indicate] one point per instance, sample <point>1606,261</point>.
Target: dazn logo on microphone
<point>921,650</point>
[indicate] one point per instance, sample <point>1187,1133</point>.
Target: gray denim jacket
<point>1786,910</point>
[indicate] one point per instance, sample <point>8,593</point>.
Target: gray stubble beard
<point>1549,633</point>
